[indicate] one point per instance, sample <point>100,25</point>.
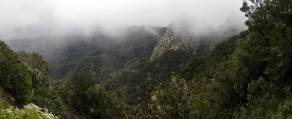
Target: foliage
<point>104,104</point>
<point>34,61</point>
<point>171,100</point>
<point>14,75</point>
<point>29,111</point>
<point>247,76</point>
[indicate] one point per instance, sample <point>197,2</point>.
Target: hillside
<point>161,74</point>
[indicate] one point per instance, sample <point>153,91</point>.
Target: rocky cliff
<point>172,41</point>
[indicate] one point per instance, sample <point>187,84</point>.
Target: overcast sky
<point>18,17</point>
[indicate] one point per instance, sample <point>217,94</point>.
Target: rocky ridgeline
<point>180,37</point>
<point>171,40</point>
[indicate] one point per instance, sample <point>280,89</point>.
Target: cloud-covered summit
<point>26,18</point>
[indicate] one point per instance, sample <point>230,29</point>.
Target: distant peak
<point>168,41</point>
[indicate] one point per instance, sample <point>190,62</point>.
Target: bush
<point>29,111</point>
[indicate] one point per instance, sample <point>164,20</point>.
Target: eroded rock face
<point>171,41</point>
<point>181,36</point>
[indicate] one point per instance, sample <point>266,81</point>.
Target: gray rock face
<point>171,41</point>
<point>181,37</point>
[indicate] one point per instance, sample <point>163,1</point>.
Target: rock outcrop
<point>171,41</point>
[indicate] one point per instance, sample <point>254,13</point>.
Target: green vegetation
<point>29,111</point>
<point>14,75</point>
<point>247,76</point>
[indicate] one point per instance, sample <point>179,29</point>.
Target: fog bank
<point>32,19</point>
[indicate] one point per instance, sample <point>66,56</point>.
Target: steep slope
<point>106,53</point>
<point>15,77</point>
<point>24,80</point>
<point>181,37</point>
<point>170,41</point>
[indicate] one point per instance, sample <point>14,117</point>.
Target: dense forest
<point>244,76</point>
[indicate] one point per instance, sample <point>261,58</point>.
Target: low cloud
<point>23,19</point>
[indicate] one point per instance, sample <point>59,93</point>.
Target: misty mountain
<point>103,52</point>
<point>180,37</point>
<point>59,64</point>
<point>129,48</point>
